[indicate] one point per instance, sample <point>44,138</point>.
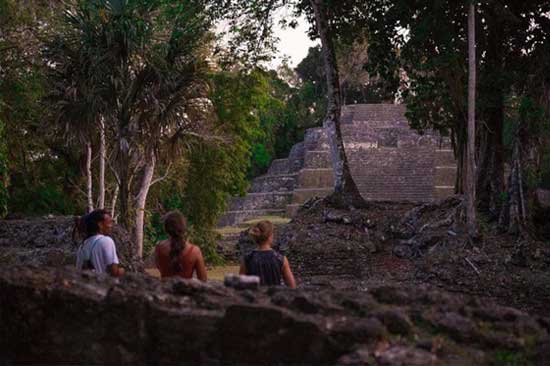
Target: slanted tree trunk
<point>470,154</point>
<point>123,171</point>
<point>459,139</point>
<point>89,176</point>
<point>141,199</point>
<point>513,215</point>
<point>345,189</point>
<point>490,180</point>
<point>102,153</point>
<point>113,202</point>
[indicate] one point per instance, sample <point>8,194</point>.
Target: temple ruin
<point>389,162</point>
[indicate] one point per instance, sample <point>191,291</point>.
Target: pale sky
<point>293,43</point>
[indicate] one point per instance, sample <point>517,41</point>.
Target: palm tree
<point>144,71</point>
<point>76,104</point>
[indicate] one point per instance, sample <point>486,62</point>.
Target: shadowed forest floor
<point>405,244</point>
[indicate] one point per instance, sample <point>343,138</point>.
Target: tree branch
<point>166,174</point>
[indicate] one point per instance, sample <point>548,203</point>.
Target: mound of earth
<point>53,316</point>
<point>401,243</point>
<point>49,241</point>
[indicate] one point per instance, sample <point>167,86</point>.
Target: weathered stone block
<point>231,218</point>
<point>279,166</point>
<point>316,178</point>
<point>274,183</point>
<point>443,192</point>
<point>445,176</point>
<point>444,158</point>
<point>317,160</point>
<point>302,195</point>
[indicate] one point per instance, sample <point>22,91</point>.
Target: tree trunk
<point>513,213</point>
<point>89,182</point>
<point>123,171</point>
<point>102,153</point>
<point>470,154</point>
<point>459,142</point>
<point>490,181</point>
<point>141,200</point>
<point>345,189</point>
<point>113,202</point>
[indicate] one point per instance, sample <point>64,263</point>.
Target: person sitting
<point>176,256</point>
<point>98,251</point>
<point>264,262</point>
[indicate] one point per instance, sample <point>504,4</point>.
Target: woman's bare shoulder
<point>196,249</point>
<point>162,244</point>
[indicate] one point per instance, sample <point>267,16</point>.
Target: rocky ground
<point>405,244</point>
<point>50,242</point>
<point>394,284</point>
<point>54,316</point>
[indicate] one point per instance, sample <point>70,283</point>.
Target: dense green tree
<point>329,22</point>
<point>428,40</point>
<point>143,64</point>
<point>35,157</point>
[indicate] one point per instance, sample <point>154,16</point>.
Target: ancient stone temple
<point>389,162</point>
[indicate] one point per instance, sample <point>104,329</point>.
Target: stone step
<point>302,195</point>
<point>314,138</point>
<point>297,151</point>
<point>231,218</point>
<point>261,201</point>
<point>315,178</point>
<point>274,183</point>
<point>279,166</point>
<point>445,175</point>
<point>292,209</point>
<point>441,192</point>
<point>444,157</point>
<point>317,159</point>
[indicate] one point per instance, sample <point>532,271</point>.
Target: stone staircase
<point>388,160</point>
<point>288,183</point>
<point>277,195</point>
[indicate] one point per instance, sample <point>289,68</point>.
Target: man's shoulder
<point>105,240</point>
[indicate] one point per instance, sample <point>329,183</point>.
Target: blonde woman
<point>271,266</point>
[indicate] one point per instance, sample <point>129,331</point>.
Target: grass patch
<point>229,230</point>
<point>276,220</point>
<point>510,358</point>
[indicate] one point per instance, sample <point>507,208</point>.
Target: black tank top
<point>266,264</point>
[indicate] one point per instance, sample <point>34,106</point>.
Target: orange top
<point>187,259</point>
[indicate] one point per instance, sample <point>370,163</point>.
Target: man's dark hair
<point>88,225</point>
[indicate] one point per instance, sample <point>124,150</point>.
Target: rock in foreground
<point>62,316</point>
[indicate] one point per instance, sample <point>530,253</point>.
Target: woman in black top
<point>264,262</point>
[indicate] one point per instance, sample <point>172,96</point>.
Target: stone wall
<point>50,242</point>
<point>388,160</point>
<point>60,316</point>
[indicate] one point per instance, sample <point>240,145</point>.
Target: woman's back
<point>266,264</point>
<point>188,259</point>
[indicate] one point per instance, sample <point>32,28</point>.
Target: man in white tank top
<point>98,251</point>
